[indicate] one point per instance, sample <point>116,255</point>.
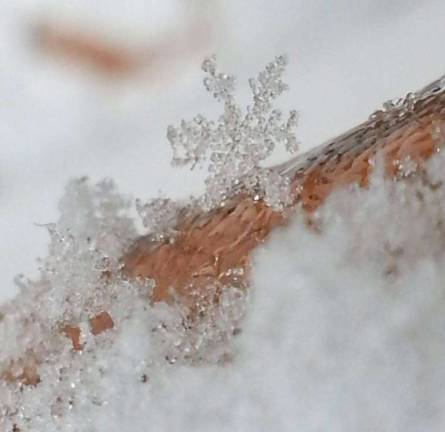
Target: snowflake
<point>237,143</point>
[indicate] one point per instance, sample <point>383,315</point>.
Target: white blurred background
<point>62,116</point>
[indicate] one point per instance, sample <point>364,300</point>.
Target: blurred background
<point>89,87</point>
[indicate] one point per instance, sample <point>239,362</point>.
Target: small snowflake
<point>235,145</point>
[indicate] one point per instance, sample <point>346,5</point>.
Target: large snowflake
<point>236,145</point>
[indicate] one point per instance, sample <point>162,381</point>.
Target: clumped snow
<point>343,328</point>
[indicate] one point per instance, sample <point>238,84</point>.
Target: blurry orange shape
<point>87,49</point>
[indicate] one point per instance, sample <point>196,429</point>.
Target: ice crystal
<point>405,167</point>
<point>393,109</point>
<point>236,145</point>
<point>159,215</point>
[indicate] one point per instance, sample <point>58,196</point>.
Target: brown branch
<point>223,239</point>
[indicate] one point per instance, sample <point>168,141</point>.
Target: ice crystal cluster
<point>45,384</point>
<point>159,216</point>
<point>394,109</point>
<point>236,145</point>
<point>344,329</point>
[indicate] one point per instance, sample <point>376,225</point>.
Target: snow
<point>342,330</point>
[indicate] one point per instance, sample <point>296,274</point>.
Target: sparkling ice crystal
<point>235,145</point>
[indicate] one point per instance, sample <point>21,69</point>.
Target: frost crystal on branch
<point>159,215</point>
<point>235,145</point>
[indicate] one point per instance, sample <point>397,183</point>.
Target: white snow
<point>343,329</point>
